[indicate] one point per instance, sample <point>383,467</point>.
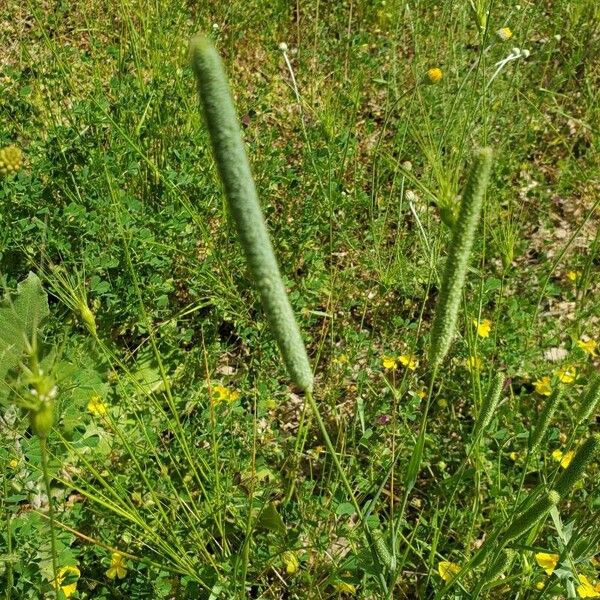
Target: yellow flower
<point>539,585</point>
<point>573,275</point>
<point>71,575</point>
<point>564,459</point>
<point>514,456</point>
<point>421,393</point>
<point>567,374</point>
<point>221,394</point>
<point>409,361</point>
<point>342,359</point>
<point>117,568</point>
<point>588,346</point>
<point>291,562</point>
<point>434,75</point>
<point>547,561</point>
<point>504,33</point>
<point>96,406</point>
<point>483,327</point>
<point>473,363</point>
<point>343,587</point>
<point>587,589</point>
<point>542,386</point>
<point>14,463</point>
<point>448,570</point>
<point>389,362</point>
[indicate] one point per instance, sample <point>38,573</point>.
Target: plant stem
<point>44,455</point>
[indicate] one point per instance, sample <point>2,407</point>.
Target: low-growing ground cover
<point>180,461</point>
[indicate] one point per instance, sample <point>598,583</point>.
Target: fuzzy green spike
<point>499,564</point>
<point>382,550</point>
<point>244,207</point>
<point>574,472</point>
<point>446,312</point>
<point>489,405</point>
<point>543,422</point>
<point>589,402</point>
<point>530,517</point>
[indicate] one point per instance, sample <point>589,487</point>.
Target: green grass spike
<point>574,472</point>
<point>530,517</point>
<point>382,550</point>
<point>489,405</point>
<point>543,422</point>
<point>446,312</point>
<point>244,207</point>
<point>500,564</point>
<point>589,402</point>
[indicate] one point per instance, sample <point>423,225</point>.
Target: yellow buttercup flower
<point>389,362</point>
<point>222,394</point>
<point>567,374</point>
<point>573,275</point>
<point>66,580</point>
<point>540,585</point>
<point>504,33</point>
<point>542,386</point>
<point>291,562</point>
<point>586,589</point>
<point>563,459</point>
<point>448,570</point>
<point>434,75</point>
<point>96,406</point>
<point>588,346</point>
<point>483,327</point>
<point>409,361</point>
<point>547,561</point>
<point>118,567</point>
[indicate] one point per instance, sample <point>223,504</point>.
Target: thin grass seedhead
<point>589,402</point>
<point>490,403</point>
<point>574,472</point>
<point>543,421</point>
<point>446,313</point>
<point>530,517</point>
<point>244,207</point>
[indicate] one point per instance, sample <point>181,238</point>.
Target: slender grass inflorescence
<point>530,517</point>
<point>244,207</point>
<point>589,402</point>
<point>446,313</point>
<point>490,403</point>
<point>574,472</point>
<point>499,564</point>
<point>541,427</point>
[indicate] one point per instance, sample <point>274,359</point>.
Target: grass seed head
<point>234,169</point>
<point>448,304</point>
<point>589,450</point>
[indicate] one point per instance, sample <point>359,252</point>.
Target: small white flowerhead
<point>525,53</point>
<point>283,47</point>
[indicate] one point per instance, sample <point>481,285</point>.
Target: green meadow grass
<point>182,463</point>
